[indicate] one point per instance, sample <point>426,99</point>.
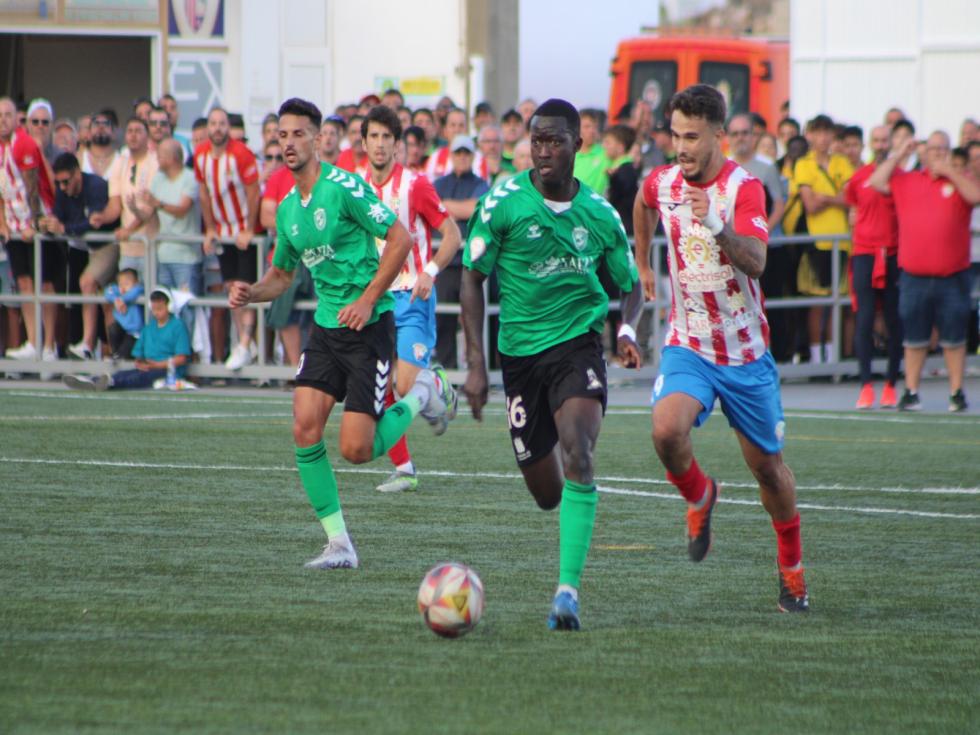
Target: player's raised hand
<point>239,294</point>
<point>476,390</point>
<point>698,199</point>
<point>629,352</point>
<point>356,314</point>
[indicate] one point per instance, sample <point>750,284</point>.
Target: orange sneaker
<point>699,524</point>
<point>793,595</point>
<point>866,398</point>
<point>888,397</point>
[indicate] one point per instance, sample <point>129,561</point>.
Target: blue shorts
<point>415,327</point>
<point>925,302</point>
<point>749,394</point>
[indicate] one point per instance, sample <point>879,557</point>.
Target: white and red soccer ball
<point>451,599</point>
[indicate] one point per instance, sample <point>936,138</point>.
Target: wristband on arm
<point>432,269</point>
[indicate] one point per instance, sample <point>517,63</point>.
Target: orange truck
<point>752,73</point>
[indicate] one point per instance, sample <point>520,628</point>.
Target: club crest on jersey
<point>294,230</point>
<point>420,351</point>
<point>478,247</point>
<point>320,218</point>
<point>534,232</point>
<point>580,238</point>
<point>702,270</point>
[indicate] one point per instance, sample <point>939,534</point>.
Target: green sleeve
<point>364,207</point>
<point>284,257</point>
<point>617,253</point>
<point>487,229</point>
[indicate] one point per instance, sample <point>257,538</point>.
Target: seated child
<point>163,340</point>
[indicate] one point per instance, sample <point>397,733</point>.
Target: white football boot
<point>337,554</point>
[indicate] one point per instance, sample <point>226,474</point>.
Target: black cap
<point>511,114</point>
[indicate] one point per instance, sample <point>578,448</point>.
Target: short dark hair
<point>699,100</point>
<point>960,152</point>
<point>820,122</point>
<point>156,108</point>
<point>590,113</point>
<point>138,119</point>
<point>383,115</point>
<point>142,100</point>
<point>758,119</point>
<point>65,162</point>
<point>393,90</point>
<point>789,121</point>
<point>109,114</point>
<point>201,122</point>
<point>483,107</point>
<point>512,114</point>
<point>270,117</point>
<point>235,120</point>
<point>414,131</point>
<point>623,133</point>
<point>424,111</point>
<point>853,131</point>
<point>560,108</point>
<point>168,96</point>
<point>131,271</point>
<point>904,123</point>
<point>301,108</point>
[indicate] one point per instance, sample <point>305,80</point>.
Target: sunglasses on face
<point>739,133</point>
<point>270,157</point>
<point>159,123</point>
<point>38,121</point>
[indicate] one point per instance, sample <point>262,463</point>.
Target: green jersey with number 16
<point>546,254</point>
<point>333,233</point>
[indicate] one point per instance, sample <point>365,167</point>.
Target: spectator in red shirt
<point>353,157</point>
<point>874,268</point>
<point>933,207</point>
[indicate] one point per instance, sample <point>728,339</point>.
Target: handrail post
<point>837,307</point>
<point>36,302</point>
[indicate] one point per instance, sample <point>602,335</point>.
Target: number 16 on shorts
<point>517,420</point>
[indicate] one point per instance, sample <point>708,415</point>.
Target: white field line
<point>515,476</point>
<point>199,398</point>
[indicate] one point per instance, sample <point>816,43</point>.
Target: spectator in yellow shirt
<point>821,176</point>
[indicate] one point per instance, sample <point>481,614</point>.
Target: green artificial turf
<point>152,580</point>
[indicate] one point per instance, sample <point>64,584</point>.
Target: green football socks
<point>318,480</point>
<point>576,518</point>
<point>395,423</point>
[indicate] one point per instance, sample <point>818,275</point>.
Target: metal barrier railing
<point>262,369</point>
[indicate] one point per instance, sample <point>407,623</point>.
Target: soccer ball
<point>451,599</point>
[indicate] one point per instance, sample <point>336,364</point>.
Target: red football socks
<point>692,483</point>
<point>398,454</point>
<point>789,548</point>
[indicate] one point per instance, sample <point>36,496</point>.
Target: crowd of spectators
<point>207,201</point>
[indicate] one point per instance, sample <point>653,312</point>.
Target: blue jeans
<point>136,378</point>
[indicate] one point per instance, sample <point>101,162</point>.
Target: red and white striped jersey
<point>715,309</point>
<point>440,163</point>
<point>18,155</point>
<point>412,197</point>
<point>226,178</point>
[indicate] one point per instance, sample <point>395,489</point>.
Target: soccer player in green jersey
<point>547,233</point>
<point>330,220</point>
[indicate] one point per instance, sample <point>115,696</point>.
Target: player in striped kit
<point>412,197</point>
<point>229,177</point>
<point>718,337</point>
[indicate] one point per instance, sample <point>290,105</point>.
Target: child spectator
<point>623,176</point>
<point>163,344</point>
<point>128,315</point>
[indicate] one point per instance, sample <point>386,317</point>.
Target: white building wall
<point>854,60</point>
